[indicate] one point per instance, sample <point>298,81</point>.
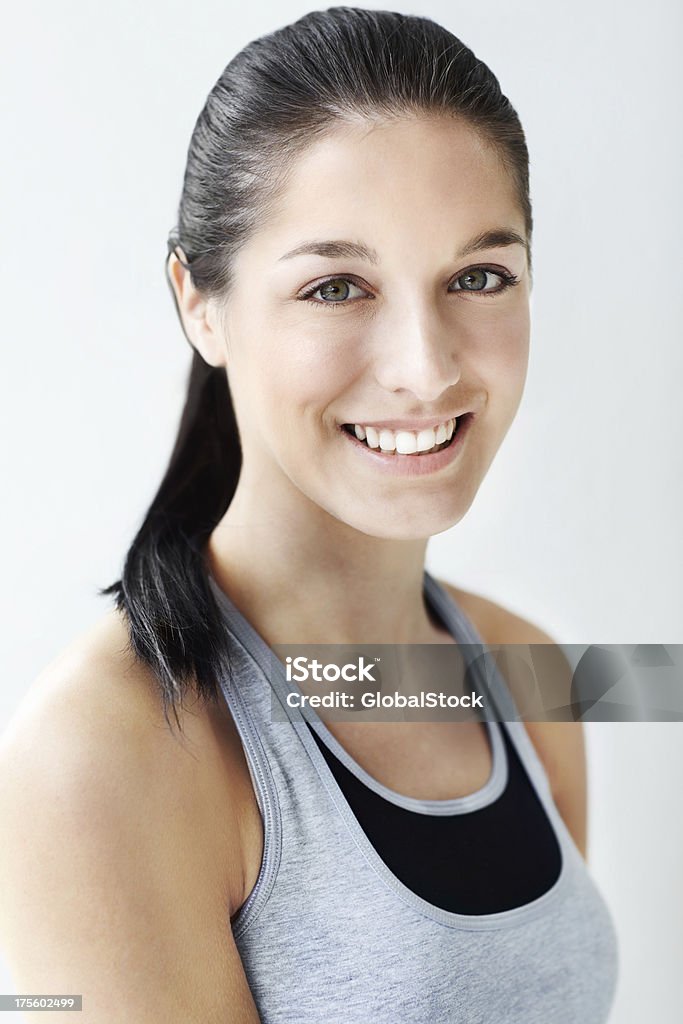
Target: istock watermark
<point>301,669</point>
<point>506,682</point>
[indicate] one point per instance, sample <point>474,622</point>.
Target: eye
<point>474,280</point>
<point>334,292</point>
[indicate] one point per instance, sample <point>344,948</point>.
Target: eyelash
<point>509,281</point>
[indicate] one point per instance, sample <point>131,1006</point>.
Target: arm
<point>559,745</point>
<point>108,881</point>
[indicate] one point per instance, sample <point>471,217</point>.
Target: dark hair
<point>275,97</point>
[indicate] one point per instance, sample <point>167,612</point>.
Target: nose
<point>417,353</point>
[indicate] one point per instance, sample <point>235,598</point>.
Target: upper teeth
<point>405,442</point>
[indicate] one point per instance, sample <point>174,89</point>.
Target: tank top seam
<point>262,774</point>
<point>466,804</point>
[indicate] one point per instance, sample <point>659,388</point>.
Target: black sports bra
<point>491,859</point>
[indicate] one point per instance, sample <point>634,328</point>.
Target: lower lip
<point>414,465</point>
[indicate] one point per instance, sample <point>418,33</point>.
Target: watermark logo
<point>458,682</point>
<point>303,669</point>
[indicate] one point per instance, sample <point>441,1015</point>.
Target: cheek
<point>310,369</point>
<point>502,351</point>
<point>292,375</point>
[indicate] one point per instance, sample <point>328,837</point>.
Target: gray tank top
<point>329,935</point>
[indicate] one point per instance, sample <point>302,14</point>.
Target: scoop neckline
<point>462,631</point>
<point>474,801</point>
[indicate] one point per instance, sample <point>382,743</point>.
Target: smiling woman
<point>388,870</point>
<point>421,335</point>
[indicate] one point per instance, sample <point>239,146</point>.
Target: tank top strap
<point>498,698</point>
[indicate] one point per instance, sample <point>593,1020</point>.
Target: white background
<point>577,524</point>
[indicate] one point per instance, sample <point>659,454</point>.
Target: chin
<point>412,525</point>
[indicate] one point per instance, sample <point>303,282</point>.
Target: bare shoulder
<point>92,686</point>
<point>90,738</point>
<point>135,827</point>
<point>495,623</point>
<point>96,701</point>
<point>560,745</point>
<point>92,727</point>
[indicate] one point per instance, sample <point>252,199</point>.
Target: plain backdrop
<point>577,525</point>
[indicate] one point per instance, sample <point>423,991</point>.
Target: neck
<point>299,575</point>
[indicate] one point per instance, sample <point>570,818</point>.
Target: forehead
<point>411,181</point>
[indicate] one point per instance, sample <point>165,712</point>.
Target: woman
<point>352,267</point>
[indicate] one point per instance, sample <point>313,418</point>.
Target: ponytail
<point>173,619</point>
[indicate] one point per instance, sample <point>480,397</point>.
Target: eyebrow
<point>340,248</point>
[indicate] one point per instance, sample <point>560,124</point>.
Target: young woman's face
<point>399,334</point>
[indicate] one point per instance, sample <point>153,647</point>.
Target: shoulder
<point>94,704</point>
<point>122,864</point>
<point>89,751</point>
<point>495,623</point>
<point>559,745</point>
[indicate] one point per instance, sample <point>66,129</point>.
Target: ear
<point>198,313</point>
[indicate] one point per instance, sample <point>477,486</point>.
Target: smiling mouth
<point>459,422</point>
